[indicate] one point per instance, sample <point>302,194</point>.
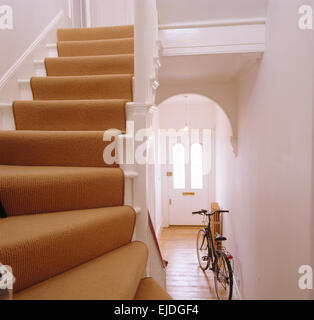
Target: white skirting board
<point>236,290</point>
<point>6,117</point>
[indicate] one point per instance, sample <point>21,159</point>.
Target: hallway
<point>185,280</point>
<point>120,119</point>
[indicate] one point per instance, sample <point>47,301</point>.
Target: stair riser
<point>25,90</point>
<point>39,68</point>
<point>52,50</point>
<point>6,117</point>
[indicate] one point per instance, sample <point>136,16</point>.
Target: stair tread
<point>110,32</point>
<point>115,86</point>
<point>70,115</point>
<point>149,289</point>
<point>108,277</point>
<point>90,65</point>
<point>95,47</point>
<point>42,245</point>
<point>37,189</point>
<point>54,148</point>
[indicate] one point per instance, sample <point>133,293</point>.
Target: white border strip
<point>236,288</point>
<point>70,6</point>
<point>87,9</point>
<point>28,51</point>
<point>198,50</point>
<point>216,23</point>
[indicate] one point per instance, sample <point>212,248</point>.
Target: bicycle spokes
<point>204,244</point>
<point>202,250</point>
<point>223,277</point>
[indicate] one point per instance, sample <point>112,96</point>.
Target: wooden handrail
<point>152,229</point>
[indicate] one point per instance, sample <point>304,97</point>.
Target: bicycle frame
<point>208,232</point>
<point>210,240</point>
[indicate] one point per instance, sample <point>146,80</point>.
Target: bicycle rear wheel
<point>223,277</point>
<point>202,250</point>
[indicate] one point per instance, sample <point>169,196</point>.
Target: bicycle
<point>217,260</point>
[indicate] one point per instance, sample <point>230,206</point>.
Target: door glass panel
<point>196,166</point>
<point>178,153</point>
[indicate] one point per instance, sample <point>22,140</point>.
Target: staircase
<point>66,231</point>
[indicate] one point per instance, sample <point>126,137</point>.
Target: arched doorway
<point>189,175</point>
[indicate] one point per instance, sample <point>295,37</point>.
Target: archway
<point>223,95</point>
<point>193,111</point>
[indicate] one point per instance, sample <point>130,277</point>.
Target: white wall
<point>112,13</point>
<point>268,186</point>
<point>29,19</point>
<point>181,11</point>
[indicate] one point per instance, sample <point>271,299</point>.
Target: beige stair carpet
<point>62,240</point>
<point>70,115</point>
<point>32,189</point>
<point>54,148</point>
<point>65,229</point>
<point>93,65</point>
<point>95,47</point>
<point>149,289</point>
<point>100,33</point>
<point>116,86</point>
<point>113,276</point>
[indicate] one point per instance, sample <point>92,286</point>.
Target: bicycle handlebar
<point>205,212</point>
<point>200,212</point>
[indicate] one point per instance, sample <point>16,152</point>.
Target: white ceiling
<point>201,68</point>
<point>189,11</point>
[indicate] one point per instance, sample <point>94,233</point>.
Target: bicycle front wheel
<point>223,277</point>
<point>202,250</point>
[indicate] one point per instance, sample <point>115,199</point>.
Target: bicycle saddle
<point>219,237</point>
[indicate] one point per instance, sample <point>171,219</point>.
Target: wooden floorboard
<point>185,280</point>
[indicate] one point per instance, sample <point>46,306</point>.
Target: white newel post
<point>145,36</point>
<point>145,31</point>
<point>145,25</point>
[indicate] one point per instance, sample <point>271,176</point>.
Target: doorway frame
<point>166,180</point>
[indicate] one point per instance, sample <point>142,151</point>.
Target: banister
<point>152,229</point>
<point>145,83</point>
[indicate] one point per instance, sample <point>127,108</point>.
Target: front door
<point>189,187</point>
